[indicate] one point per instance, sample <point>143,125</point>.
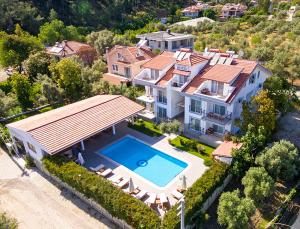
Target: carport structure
<point>57,130</point>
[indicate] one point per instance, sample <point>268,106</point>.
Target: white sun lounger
<point>177,194</point>
<point>123,183</point>
<point>151,200</point>
<point>96,169</point>
<point>105,173</point>
<point>141,194</point>
<point>115,179</point>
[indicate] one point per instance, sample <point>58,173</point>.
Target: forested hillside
<point>87,14</point>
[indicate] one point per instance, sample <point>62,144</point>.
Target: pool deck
<point>92,158</point>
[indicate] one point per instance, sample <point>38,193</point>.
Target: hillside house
<point>232,10</point>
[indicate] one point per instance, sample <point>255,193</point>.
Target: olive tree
<point>281,160</point>
<point>258,184</point>
<point>234,211</point>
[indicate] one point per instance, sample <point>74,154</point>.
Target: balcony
<point>146,98</point>
<point>204,90</point>
<point>196,111</point>
<point>219,119</point>
<point>162,100</point>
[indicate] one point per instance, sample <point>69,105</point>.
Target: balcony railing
<point>222,119</point>
<point>197,111</point>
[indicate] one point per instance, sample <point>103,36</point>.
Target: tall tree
<point>23,90</point>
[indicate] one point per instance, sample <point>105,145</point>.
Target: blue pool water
<point>152,164</point>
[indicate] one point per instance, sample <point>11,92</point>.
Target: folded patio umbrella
<point>80,159</point>
<point>183,182</point>
<point>131,186</point>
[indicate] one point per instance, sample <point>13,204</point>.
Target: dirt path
<point>36,203</point>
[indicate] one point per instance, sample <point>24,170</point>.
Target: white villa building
<point>208,89</point>
<point>166,40</point>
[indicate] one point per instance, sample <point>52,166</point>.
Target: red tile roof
<point>166,78</point>
<point>225,149</point>
<point>132,54</point>
<point>63,127</point>
<point>223,73</point>
<point>67,48</point>
<point>161,61</point>
<point>193,59</point>
<point>183,73</point>
<point>114,79</point>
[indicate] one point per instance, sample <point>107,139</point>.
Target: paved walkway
<point>36,203</point>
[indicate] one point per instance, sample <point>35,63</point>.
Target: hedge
<point>115,201</point>
<point>197,194</point>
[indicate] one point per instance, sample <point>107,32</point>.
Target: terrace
<point>93,158</point>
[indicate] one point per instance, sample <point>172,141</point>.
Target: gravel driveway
<point>36,203</point>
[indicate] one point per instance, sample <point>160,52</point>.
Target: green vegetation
<point>7,222</point>
<point>197,194</point>
<point>170,127</point>
<point>29,163</point>
<point>146,127</point>
<point>194,147</point>
<point>115,201</point>
<point>233,211</point>
<point>281,160</point>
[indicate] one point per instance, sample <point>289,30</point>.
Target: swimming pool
<point>152,164</point>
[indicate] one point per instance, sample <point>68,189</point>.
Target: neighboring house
<point>124,62</point>
<point>58,130</point>
<point>194,11</point>
<point>70,48</point>
<point>224,151</point>
<point>208,90</point>
<point>166,40</point>
<point>232,10</point>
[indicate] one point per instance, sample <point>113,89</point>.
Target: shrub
<point>29,163</point>
<point>115,201</point>
<point>7,222</point>
<point>233,211</point>
<point>197,194</point>
<point>281,160</point>
<point>258,184</point>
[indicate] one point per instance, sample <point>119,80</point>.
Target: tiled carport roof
<point>63,127</point>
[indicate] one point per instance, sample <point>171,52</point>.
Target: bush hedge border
<point>118,203</point>
<point>125,207</point>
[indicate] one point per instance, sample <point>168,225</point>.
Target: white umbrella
<point>80,159</point>
<point>183,182</point>
<point>131,186</point>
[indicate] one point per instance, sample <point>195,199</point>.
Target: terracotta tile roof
<point>193,59</point>
<point>132,54</point>
<point>197,81</point>
<point>166,78</point>
<point>238,84</point>
<point>63,127</point>
<point>247,65</point>
<point>161,61</point>
<point>223,73</point>
<point>114,79</point>
<point>183,73</point>
<point>224,150</point>
<point>67,48</point>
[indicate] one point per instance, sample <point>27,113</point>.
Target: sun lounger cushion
<point>163,198</point>
<point>152,199</point>
<point>115,179</point>
<point>141,194</point>
<point>177,194</point>
<point>106,172</point>
<point>95,169</point>
<point>123,183</point>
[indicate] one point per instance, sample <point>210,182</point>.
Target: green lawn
<point>146,127</point>
<point>186,144</point>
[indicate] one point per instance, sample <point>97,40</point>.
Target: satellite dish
<point>241,53</point>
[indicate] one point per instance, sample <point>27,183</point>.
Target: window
<point>220,110</point>
<point>252,79</point>
<point>31,147</point>
<point>120,57</point>
<point>218,129</point>
<point>182,79</point>
<point>258,74</point>
<point>127,72</point>
<point>154,74</point>
<point>162,98</point>
<point>195,124</point>
<point>195,106</point>
<point>162,112</point>
<point>115,67</point>
<point>217,87</point>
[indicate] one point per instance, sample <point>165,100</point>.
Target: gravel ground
<point>36,203</point>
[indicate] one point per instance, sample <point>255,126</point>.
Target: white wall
<point>25,137</point>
